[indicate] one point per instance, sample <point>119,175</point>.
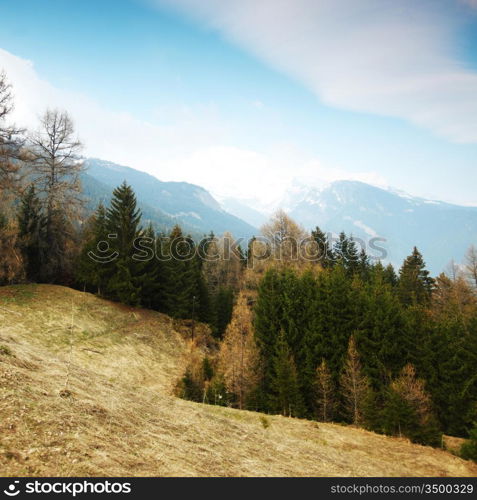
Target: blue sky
<point>243,99</point>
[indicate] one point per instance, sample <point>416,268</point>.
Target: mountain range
<point>389,219</point>
<point>163,203</point>
<point>441,231</point>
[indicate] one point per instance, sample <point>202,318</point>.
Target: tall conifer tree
<point>123,224</point>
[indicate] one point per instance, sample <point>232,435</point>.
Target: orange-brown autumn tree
<point>238,356</point>
<point>325,392</point>
<point>354,384</point>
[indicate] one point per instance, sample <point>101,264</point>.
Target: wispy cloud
<point>263,178</point>
<point>195,147</point>
<point>387,57</point>
<point>113,135</point>
<point>471,3</point>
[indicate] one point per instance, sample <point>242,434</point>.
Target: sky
<point>244,96</point>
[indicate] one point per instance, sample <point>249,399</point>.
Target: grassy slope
<point>119,365</point>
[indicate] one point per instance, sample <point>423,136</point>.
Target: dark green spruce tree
<point>325,251</point>
<point>94,265</point>
<point>31,228</point>
<point>268,320</point>
<point>285,397</point>
<point>123,224</point>
<point>346,253</point>
<point>415,285</point>
<point>184,291</point>
<point>148,268</point>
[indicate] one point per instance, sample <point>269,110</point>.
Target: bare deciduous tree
<point>6,99</point>
<point>325,392</point>
<point>56,167</point>
<point>11,147</point>
<point>453,270</point>
<point>471,265</point>
<point>222,266</point>
<point>354,384</point>
<point>56,161</point>
<point>454,301</point>
<point>284,236</point>
<point>11,263</point>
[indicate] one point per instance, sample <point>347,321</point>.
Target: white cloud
<point>471,3</point>
<point>239,172</point>
<point>194,147</point>
<point>316,174</point>
<point>262,178</point>
<point>368,230</point>
<point>114,136</point>
<point>386,57</point>
<point>258,104</point>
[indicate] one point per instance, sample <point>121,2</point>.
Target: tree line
<point>41,201</point>
<point>329,335</point>
<point>350,340</point>
<point>46,235</point>
<point>169,272</point>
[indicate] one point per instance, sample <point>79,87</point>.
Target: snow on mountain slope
<point>441,231</point>
<point>166,203</point>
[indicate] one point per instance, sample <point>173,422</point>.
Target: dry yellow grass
<point>95,400</point>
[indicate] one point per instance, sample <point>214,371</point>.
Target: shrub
<point>5,351</point>
<point>265,422</point>
<point>468,450</point>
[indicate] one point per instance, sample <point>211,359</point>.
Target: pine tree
<point>381,329</point>
<point>94,266</point>
<point>364,265</point>
<point>340,248</point>
<point>390,275</point>
<point>454,354</point>
<point>189,388</point>
<point>346,253</point>
<point>325,252</point>
<point>222,309</point>
<point>353,262</point>
<point>267,325</point>
<point>299,314</point>
<point>285,397</point>
<point>333,319</point>
<point>123,225</point>
<point>209,250</point>
<point>415,285</point>
<point>204,313</point>
<point>148,268</point>
<point>31,232</point>
<point>181,277</point>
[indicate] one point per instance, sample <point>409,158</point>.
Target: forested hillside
<point>85,390</point>
<point>168,203</point>
<point>297,325</point>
